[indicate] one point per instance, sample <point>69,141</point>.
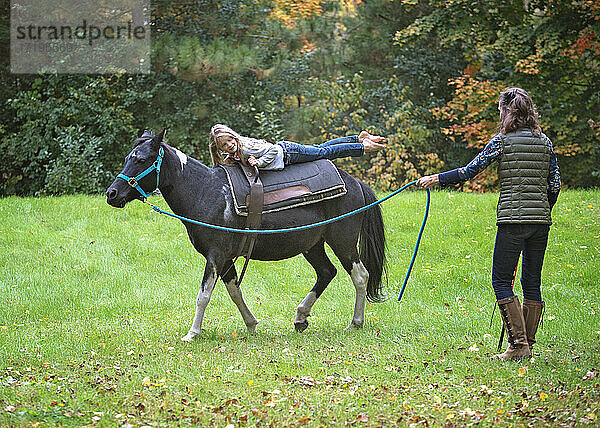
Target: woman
<point>529,186</point>
<point>227,146</point>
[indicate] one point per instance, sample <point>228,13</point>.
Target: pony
<point>195,191</point>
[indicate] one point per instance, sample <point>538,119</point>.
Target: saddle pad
<point>295,185</point>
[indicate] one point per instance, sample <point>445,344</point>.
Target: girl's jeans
<point>511,240</point>
<point>338,148</point>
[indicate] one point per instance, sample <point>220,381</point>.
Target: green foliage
<point>347,106</point>
<point>269,125</point>
<point>45,115</point>
<point>308,70</point>
<point>549,49</point>
<point>191,60</point>
<point>77,168</point>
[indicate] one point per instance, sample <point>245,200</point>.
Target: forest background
<point>424,73</point>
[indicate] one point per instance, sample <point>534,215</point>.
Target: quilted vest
<point>523,173</point>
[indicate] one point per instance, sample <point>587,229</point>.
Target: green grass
<point>95,300</point>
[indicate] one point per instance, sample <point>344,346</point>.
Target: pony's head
<point>140,174</point>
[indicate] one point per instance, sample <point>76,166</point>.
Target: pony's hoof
<point>252,328</point>
<point>354,326</point>
<point>189,337</point>
<point>301,326</point>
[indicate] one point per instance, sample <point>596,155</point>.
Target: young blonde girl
<point>227,147</point>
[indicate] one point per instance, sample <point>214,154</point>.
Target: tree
<point>549,48</point>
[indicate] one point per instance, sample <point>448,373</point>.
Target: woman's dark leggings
<point>511,240</point>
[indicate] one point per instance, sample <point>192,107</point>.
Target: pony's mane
<point>147,135</point>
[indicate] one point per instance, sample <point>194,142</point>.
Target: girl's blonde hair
<point>216,154</point>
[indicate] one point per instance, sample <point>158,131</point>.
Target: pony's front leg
<point>235,292</point>
<point>208,285</point>
<point>326,271</point>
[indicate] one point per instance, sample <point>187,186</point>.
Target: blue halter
<point>133,181</point>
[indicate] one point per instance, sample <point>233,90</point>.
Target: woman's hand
<point>252,161</point>
<point>429,180</point>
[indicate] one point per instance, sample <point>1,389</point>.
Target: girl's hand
<point>428,181</point>
<point>252,161</point>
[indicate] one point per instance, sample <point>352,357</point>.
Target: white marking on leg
<point>304,308</point>
<point>182,158</point>
<point>360,278</point>
<point>201,304</point>
<point>236,295</point>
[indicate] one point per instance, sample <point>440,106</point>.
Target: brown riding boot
<point>532,313</point>
<point>514,324</point>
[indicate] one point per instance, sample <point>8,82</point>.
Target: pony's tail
<point>372,246</point>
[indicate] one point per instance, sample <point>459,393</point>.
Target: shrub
<point>77,168</point>
<point>57,122</point>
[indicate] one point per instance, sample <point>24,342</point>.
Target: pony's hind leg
<point>326,271</point>
<point>360,278</point>
<point>230,279</point>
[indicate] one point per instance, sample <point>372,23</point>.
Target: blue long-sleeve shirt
<point>491,153</point>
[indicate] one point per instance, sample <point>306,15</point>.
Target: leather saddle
<point>270,191</point>
<point>295,185</point>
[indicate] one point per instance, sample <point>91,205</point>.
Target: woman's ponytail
<point>517,111</point>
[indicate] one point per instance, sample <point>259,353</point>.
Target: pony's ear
<point>141,133</point>
<point>161,135</point>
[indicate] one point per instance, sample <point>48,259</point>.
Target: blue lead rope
<point>412,262</point>
<point>309,226</point>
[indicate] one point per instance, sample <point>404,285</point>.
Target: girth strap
<point>255,206</point>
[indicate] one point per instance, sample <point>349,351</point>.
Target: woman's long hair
<point>517,111</point>
<point>217,155</point>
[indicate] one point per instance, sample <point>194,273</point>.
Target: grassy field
<point>95,300</point>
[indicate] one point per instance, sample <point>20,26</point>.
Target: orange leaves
<point>362,417</point>
<point>471,112</point>
<point>291,11</point>
<point>307,47</point>
<point>528,65</point>
<point>586,43</point>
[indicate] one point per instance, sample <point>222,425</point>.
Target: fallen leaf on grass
<point>307,381</point>
<point>592,374</point>
<point>362,417</point>
<point>271,403</point>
